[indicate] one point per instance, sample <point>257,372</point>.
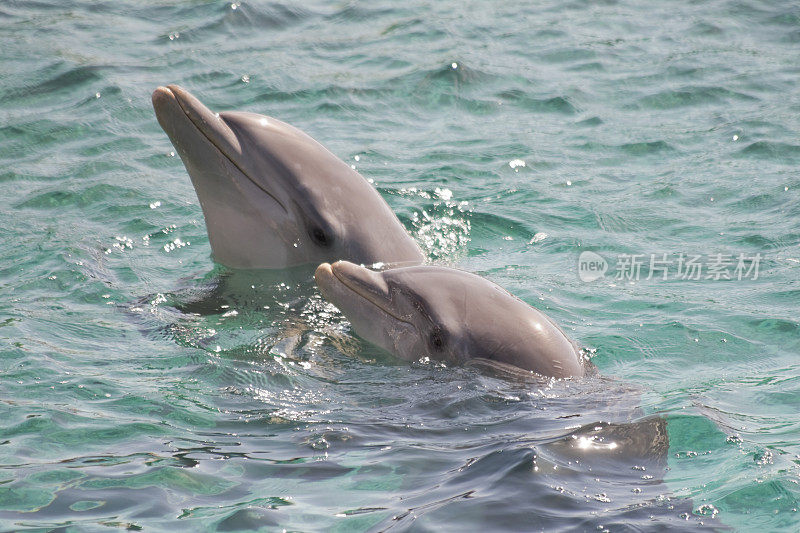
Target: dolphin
<point>272,196</point>
<point>447,315</point>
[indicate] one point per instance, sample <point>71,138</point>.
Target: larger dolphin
<point>272,196</point>
<point>447,315</point>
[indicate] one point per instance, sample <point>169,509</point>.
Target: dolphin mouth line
<point>220,150</point>
<point>367,296</point>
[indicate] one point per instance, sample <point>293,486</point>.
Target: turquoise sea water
<point>144,387</point>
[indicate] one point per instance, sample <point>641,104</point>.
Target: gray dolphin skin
<point>272,196</point>
<point>447,315</point>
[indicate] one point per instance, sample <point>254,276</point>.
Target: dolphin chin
<point>272,196</point>
<point>448,315</point>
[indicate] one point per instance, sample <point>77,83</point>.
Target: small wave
<point>459,73</point>
<point>65,82</point>
<point>705,28</point>
<point>361,12</point>
<point>590,66</point>
<point>568,55</point>
<point>790,153</point>
<point>555,104</point>
<point>692,96</point>
<point>632,149</point>
<point>591,121</point>
<point>646,148</point>
<point>233,16</point>
<point>91,195</point>
<point>413,28</point>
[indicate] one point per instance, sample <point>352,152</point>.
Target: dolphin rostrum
<point>447,315</point>
<point>272,196</point>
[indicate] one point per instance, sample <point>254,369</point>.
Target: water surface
<point>143,386</point>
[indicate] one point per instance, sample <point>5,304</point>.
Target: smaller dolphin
<point>447,315</point>
<point>272,196</point>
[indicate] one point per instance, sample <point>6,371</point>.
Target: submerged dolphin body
<point>272,196</point>
<point>447,315</point>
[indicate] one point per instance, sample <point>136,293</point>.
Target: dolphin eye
<point>437,340</point>
<point>320,237</point>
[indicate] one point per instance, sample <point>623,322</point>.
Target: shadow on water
<point>468,447</point>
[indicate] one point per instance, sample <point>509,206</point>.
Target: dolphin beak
<point>173,103</point>
<point>362,281</point>
<point>343,282</point>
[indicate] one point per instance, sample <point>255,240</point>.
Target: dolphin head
<point>272,196</point>
<point>447,315</point>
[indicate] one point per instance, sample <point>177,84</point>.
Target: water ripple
<point>144,387</point>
